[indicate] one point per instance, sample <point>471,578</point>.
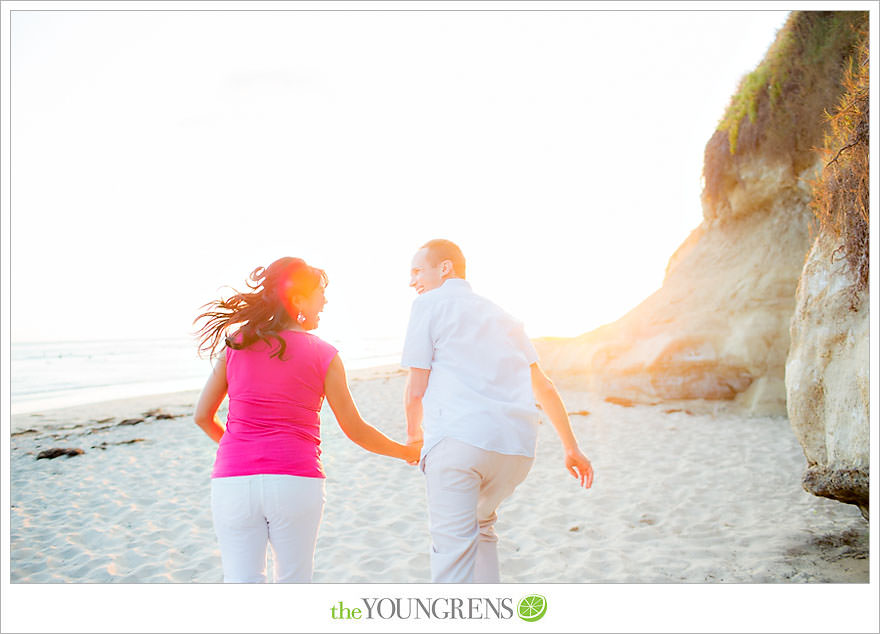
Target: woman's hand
<point>414,450</point>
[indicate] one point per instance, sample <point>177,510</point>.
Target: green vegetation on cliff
<point>807,58</point>
<point>779,109</point>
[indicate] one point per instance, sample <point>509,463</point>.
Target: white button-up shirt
<point>480,389</point>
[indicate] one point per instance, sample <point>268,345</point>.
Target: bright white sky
<point>157,156</point>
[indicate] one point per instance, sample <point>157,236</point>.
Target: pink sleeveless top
<point>273,424</point>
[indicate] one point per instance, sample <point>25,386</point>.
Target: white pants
<point>253,511</point>
<point>465,485</point>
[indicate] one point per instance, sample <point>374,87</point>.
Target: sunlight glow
<point>161,155</point>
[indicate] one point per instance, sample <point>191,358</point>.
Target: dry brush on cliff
<point>841,192</point>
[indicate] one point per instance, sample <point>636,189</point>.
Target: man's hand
<point>578,465</point>
<point>416,447</point>
<point>548,398</point>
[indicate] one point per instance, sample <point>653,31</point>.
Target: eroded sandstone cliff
<point>718,327</point>
<point>827,378</point>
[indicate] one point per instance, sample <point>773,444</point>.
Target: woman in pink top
<point>267,486</point>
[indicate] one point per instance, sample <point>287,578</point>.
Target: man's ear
<point>446,267</point>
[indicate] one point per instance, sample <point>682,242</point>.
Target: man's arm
<point>418,353</point>
<point>548,397</point>
<point>416,384</point>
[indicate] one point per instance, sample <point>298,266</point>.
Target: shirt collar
<point>456,283</point>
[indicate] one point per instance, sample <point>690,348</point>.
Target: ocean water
<point>49,375</point>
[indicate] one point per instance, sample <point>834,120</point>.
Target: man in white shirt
<point>473,381</point>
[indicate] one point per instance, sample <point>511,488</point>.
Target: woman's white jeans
<point>251,512</point>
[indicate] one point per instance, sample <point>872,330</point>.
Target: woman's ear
<point>291,305</point>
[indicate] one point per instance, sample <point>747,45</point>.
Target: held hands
<point>413,450</point>
<point>579,466</point>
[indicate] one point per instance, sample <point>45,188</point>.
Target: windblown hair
<point>439,250</point>
<point>262,313</point>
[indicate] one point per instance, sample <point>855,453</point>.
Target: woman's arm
<point>210,399</point>
<point>351,422</point>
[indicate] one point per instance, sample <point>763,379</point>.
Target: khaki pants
<point>465,485</point>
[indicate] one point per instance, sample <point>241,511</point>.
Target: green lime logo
<point>532,608</point>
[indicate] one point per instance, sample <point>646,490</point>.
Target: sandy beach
<point>678,498</point>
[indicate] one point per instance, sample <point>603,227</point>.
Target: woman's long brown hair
<point>264,312</point>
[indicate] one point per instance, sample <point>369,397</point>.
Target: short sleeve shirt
<point>479,390</point>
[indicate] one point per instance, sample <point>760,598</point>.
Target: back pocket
<point>231,501</point>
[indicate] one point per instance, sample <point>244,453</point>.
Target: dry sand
<point>677,498</point>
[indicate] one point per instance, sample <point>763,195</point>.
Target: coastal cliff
<point>718,328</point>
<point>826,376</point>
<point>764,307</point>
